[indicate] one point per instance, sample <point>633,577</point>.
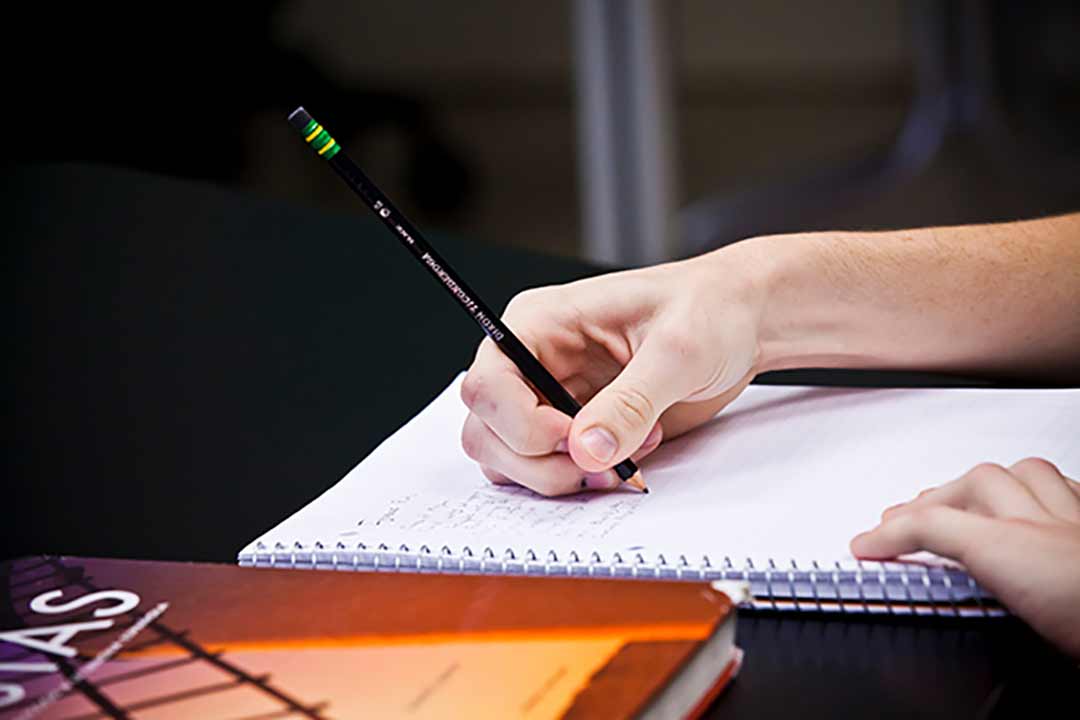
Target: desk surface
<point>190,365</point>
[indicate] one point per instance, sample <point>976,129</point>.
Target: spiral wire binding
<point>861,587</point>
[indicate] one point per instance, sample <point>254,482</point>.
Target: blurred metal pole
<point>626,149</point>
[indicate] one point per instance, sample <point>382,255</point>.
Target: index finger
<point>939,529</point>
<point>495,391</point>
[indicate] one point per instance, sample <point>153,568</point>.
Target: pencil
<point>319,139</point>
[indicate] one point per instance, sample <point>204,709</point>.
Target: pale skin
<point>652,353</point>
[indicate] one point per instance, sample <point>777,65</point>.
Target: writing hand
<point>649,353</point>
<point>1016,530</point>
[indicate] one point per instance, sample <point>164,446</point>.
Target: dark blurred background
<point>778,115</point>
<point>184,373</point>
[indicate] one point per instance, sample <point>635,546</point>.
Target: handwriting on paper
<point>492,510</point>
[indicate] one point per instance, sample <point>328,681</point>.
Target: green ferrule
<point>332,151</point>
<point>320,140</point>
<point>309,127</point>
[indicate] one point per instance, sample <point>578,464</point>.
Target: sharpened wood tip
<point>636,481</point>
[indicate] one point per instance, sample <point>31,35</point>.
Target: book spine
<point>858,587</point>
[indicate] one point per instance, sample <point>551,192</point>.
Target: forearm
<point>1002,299</point>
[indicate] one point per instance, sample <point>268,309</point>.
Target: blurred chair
<point>625,139</point>
<point>957,98</point>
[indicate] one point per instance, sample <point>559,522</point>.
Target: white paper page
<point>783,473</point>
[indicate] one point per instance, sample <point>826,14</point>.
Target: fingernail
<point>599,443</point>
<point>653,438</point>
<point>600,481</point>
<point>562,446</point>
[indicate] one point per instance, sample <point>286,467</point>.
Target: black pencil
<point>470,302</point>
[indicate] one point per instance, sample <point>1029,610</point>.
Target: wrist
<point>802,313</point>
<point>739,280</point>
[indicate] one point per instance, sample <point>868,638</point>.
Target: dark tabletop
<point>190,365</point>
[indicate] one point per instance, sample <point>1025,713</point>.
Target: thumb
<point>617,420</point>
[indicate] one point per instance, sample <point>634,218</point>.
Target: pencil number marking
<point>384,213</point>
<point>382,210</point>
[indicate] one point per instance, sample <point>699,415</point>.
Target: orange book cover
<point>85,638</point>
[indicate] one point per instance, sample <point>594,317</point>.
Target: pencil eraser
<point>299,118</point>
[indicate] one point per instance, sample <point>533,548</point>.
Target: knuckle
<point>471,387</point>
<point>633,405</point>
<point>476,394</point>
<point>537,440</point>
<point>527,300</point>
<point>890,512</point>
<point>997,482</point>
<point>914,525</point>
<point>472,443</point>
<point>1036,464</point>
<point>524,439</point>
<point>985,476</point>
<point>903,523</point>
<point>986,470</point>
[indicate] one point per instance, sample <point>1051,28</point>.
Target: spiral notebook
<point>770,492</point>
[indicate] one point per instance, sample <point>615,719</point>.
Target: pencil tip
<point>636,481</point>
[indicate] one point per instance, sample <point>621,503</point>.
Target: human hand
<point>650,353</point>
<point>1016,530</point>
